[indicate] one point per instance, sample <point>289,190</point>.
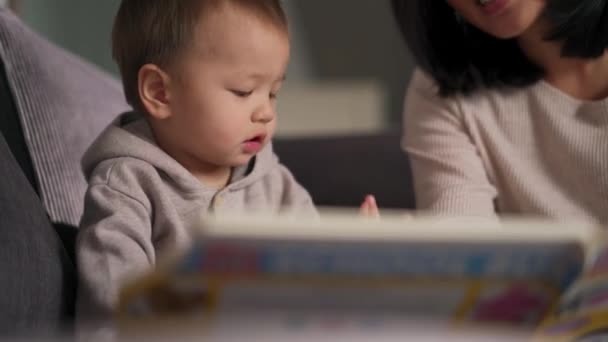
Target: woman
<point>508,113</point>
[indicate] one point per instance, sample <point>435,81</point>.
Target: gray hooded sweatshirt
<point>141,202</point>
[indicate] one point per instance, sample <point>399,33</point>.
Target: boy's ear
<point>153,84</point>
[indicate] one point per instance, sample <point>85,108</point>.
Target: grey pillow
<point>63,103</point>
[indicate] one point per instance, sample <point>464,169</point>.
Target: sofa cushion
<point>10,126</point>
<point>38,280</point>
<point>63,103</point>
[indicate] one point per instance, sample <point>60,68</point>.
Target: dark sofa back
<point>340,171</point>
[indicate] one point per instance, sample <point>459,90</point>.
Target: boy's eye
<point>241,93</point>
<point>273,95</point>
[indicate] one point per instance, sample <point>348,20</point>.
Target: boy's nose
<point>264,113</point>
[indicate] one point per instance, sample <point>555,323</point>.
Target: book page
<point>582,312</point>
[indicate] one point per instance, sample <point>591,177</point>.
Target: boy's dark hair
<point>157,31</point>
<point>463,59</point>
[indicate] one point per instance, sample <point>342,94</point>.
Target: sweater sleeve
<point>114,245</point>
<point>449,175</point>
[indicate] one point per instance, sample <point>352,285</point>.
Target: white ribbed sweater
<point>533,151</point>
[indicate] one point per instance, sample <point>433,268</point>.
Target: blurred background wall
<point>348,72</point>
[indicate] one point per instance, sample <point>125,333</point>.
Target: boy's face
<point>223,91</point>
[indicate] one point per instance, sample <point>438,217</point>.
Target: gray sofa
<point>52,105</point>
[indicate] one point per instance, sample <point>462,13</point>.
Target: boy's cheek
<point>272,128</point>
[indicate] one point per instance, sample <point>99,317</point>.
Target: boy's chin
<point>241,160</point>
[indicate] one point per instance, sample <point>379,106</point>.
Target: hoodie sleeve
<point>295,198</point>
<point>114,245</point>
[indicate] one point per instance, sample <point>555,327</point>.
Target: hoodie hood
<point>130,136</point>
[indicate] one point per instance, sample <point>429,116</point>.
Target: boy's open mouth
<point>254,145</point>
<point>256,139</point>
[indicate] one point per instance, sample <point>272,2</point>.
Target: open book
<point>519,275</point>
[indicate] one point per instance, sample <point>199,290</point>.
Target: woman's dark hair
<point>463,59</point>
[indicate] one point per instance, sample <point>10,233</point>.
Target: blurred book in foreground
<point>259,275</point>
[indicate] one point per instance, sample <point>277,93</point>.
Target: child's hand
<point>369,208</point>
